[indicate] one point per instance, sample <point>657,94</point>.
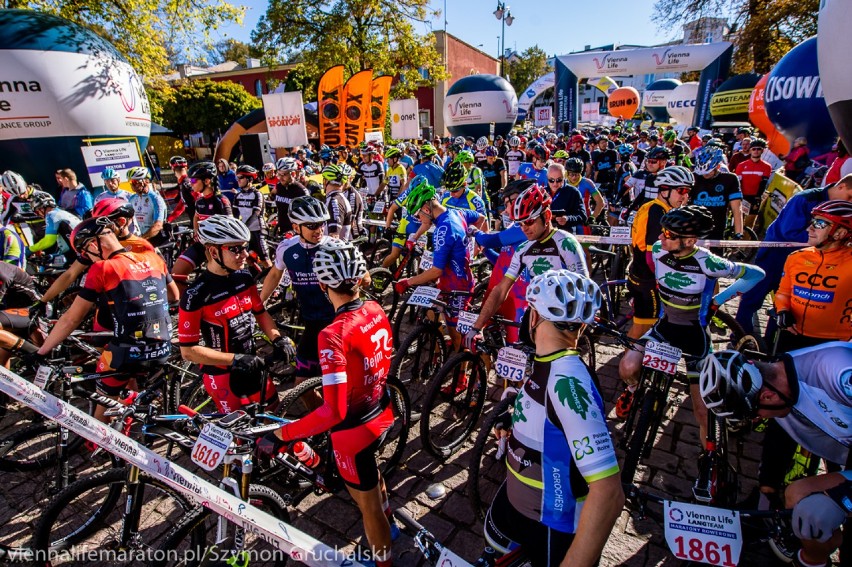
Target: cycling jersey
<point>817,288</point>
<point>583,155</point>
<point>558,250</point>
<point>514,158</point>
<point>187,196</point>
<point>215,204</point>
<point>77,201</point>
<point>474,180</point>
<point>249,206</point>
<point>587,189</point>
<point>221,310</point>
<point>715,194</point>
<point>753,176</point>
<point>368,176</point>
<point>506,241</point>
<point>296,259</point>
<point>468,200</point>
<point>149,208</point>
<point>559,442</point>
<point>452,249</point>
<point>340,211</point>
<point>430,170</point>
<point>107,194</point>
<point>284,195</point>
<point>686,284</point>
<point>644,233</point>
<point>820,378</point>
<point>480,158</point>
<point>493,178</point>
<point>527,171</point>
<point>396,179</point>
<point>57,222</point>
<point>604,164</point>
<point>12,250</point>
<point>17,288</point>
<point>642,189</point>
<point>356,203</point>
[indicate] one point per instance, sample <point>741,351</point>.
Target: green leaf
<point>569,243</point>
<point>540,265</point>
<point>715,264</point>
<point>676,280</point>
<point>571,392</point>
<point>518,414</point>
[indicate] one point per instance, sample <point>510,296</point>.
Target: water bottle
<point>306,455</point>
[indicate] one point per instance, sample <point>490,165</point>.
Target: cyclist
<point>369,174</point>
<point>409,225</point>
<point>186,195</point>
<point>57,222</point>
<point>514,157</point>
<point>75,197</point>
<point>814,298</point>
<point>295,256</point>
<point>451,259</point>
<point>357,349</point>
<point>111,186</point>
<point>356,201</point>
<point>249,206</point>
<point>427,166</point>
<point>559,433</point>
<point>808,394</point>
<point>679,150</point>
<point>641,185</point>
<point>479,153</point>
<point>396,174</point>
<point>592,198</point>
<point>458,195</point>
<point>149,206</point>
<point>270,179</point>
<point>604,165</point>
<point>569,212</point>
<point>286,191</point>
<point>536,169</point>
<point>222,306</point>
<point>546,248</point>
<point>686,275</point>
<point>753,174</point>
<point>718,191</point>
<point>137,289</point>
<point>17,295</point>
<point>210,200</point>
<point>578,141</point>
<point>494,172</point>
<point>473,177</point>
<point>338,205</point>
<point>20,196</point>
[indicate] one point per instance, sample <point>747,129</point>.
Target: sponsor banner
<point>565,97</point>
<point>691,57</point>
<point>119,156</point>
<point>285,119</point>
<point>404,119</point>
<point>46,94</point>
<point>480,107</point>
<point>330,110</point>
<point>281,535</point>
<point>356,106</point>
<point>591,112</point>
<point>543,115</point>
<point>379,102</point>
<point>539,86</point>
<point>376,136</point>
<point>711,78</point>
<point>604,84</point>
<point>730,102</point>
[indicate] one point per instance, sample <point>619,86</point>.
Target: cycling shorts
<point>257,244</point>
<point>403,231</point>
<point>355,450</point>
<point>646,301</point>
<point>307,351</point>
<point>219,388</point>
<point>507,529</point>
<point>455,303</point>
<point>693,340</point>
<point>114,385</point>
<point>15,320</point>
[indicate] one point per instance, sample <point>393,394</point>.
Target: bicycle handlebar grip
<point>187,411</point>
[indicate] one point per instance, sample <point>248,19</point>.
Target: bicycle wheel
<point>586,346</point>
<point>418,358</point>
<point>381,249</point>
<point>179,548</point>
<point>88,516</point>
<point>725,332</point>
<point>486,470</point>
<point>196,397</point>
<point>381,289</point>
<point>635,443</point>
<point>404,318</point>
<point>453,404</point>
<point>743,255</point>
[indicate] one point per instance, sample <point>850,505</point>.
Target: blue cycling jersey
<point>452,249</point>
<point>527,171</point>
<point>468,200</point>
<point>149,208</point>
<point>296,258</point>
<point>431,171</point>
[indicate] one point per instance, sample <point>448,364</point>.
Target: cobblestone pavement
<point>336,521</point>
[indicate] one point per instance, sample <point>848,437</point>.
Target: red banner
<point>379,102</point>
<point>356,104</point>
<point>330,110</point>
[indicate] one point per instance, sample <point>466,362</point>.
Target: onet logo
<point>660,59</point>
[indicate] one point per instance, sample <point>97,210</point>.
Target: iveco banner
<point>681,103</point>
<point>474,102</point>
<point>834,43</point>
<point>62,84</point>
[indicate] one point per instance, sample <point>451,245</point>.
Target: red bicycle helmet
<point>541,152</point>
<point>113,208</point>
<point>838,212</point>
<point>531,204</point>
<point>578,139</point>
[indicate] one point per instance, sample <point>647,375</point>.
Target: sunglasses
<point>243,177</point>
<point>193,180</point>
<point>819,223</point>
<point>650,160</point>
<point>669,235</point>
<point>529,222</point>
<point>313,225</point>
<point>556,180</point>
<point>237,249</point>
<point>678,190</point>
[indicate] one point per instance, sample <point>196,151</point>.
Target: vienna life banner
<point>404,119</point>
<point>285,119</point>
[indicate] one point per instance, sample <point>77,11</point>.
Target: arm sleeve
<point>334,214</point>
<point>189,325</point>
<point>45,243</point>
<point>226,205</point>
<point>94,283</point>
<point>11,248</point>
<point>489,240</point>
<point>749,276</point>
<point>159,208</point>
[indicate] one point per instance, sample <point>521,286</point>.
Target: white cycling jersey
<point>821,419</point>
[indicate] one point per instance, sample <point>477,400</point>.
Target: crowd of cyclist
<point>521,202</point>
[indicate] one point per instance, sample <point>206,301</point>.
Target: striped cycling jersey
<point>558,250</point>
<point>559,443</point>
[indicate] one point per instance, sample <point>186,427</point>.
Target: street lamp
<point>504,14</point>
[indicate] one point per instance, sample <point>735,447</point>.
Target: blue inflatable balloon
<point>656,97</point>
<point>474,102</point>
<point>794,99</point>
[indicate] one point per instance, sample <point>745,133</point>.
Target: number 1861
<point>706,552</point>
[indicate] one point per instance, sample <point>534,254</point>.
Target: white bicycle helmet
<point>307,209</point>
<point>138,173</point>
<point>482,143</point>
<point>459,140</point>
<point>222,229</point>
<point>268,166</point>
<point>561,296</point>
<point>729,385</point>
<point>675,176</point>
<point>287,164</point>
<point>514,141</point>
<point>337,262</point>
<point>13,183</point>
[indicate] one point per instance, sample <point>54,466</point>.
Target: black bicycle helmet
<point>202,170</point>
<point>516,187</point>
<point>658,152</point>
<point>247,171</point>
<point>691,220</point>
<point>87,230</point>
<point>574,165</point>
<point>454,176</point>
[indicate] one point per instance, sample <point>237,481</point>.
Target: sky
<point>556,26</point>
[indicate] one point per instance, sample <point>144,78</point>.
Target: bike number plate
<point>630,218</point>
<point>450,559</point>
<point>703,534</point>
<point>465,322</point>
<point>661,356</point>
<point>210,448</point>
<point>511,364</point>
<point>745,207</point>
<point>423,241</point>
<point>379,207</point>
<point>424,296</point>
<point>426,260</point>
<point>42,376</point>
<point>620,232</point>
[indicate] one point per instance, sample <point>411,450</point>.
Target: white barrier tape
<point>586,239</point>
<point>299,545</point>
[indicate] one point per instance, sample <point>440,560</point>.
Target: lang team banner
<point>330,111</point>
<point>379,102</point>
<point>285,119</point>
<point>404,119</point>
<point>356,104</point>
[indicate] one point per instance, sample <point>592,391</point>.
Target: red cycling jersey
<point>751,175</point>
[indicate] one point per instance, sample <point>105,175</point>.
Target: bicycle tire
<point>419,357</point>
<point>100,510</point>
<point>196,397</point>
<point>721,321</point>
<point>635,444</point>
<point>453,404</point>
<point>381,249</point>
<point>405,315</point>
<point>586,347</point>
<point>482,482</point>
<point>175,541</point>
<point>381,289</point>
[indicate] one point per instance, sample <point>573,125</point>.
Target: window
<point>424,73</point>
<point>425,118</point>
<point>258,88</point>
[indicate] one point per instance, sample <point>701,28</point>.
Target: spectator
<point>738,157</point>
<point>833,175</point>
<point>797,160</point>
<point>227,180</point>
<point>75,197</point>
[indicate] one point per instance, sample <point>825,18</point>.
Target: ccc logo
<point>828,282</point>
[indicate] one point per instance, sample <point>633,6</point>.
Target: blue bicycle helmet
<point>707,159</point>
<point>624,149</point>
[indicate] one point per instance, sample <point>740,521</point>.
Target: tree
<point>359,34</point>
<point>142,29</point>
<point>526,68</point>
<point>232,50</point>
<point>159,94</point>
<point>206,106</point>
<point>766,29</point>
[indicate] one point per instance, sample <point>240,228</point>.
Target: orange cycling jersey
<point>817,288</point>
<point>644,232</point>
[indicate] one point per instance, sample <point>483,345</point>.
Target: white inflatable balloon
<point>681,103</point>
<point>834,43</point>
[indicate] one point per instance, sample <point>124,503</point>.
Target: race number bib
<point>511,364</point>
<point>426,260</point>
<point>210,448</point>
<point>424,296</point>
<point>620,232</point>
<point>745,207</point>
<point>379,207</point>
<point>423,240</point>
<point>42,376</point>
<point>630,218</point>
<point>661,356</point>
<point>703,534</point>
<point>465,322</point>
<point>450,559</point>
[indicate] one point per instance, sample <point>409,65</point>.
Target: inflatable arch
<point>533,91</point>
<point>254,123</point>
<point>712,59</point>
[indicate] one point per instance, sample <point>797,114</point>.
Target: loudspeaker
<point>255,149</point>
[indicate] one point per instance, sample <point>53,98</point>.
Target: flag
<point>379,102</point>
<point>404,121</point>
<point>330,96</point>
<point>356,104</point>
<point>285,119</point>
